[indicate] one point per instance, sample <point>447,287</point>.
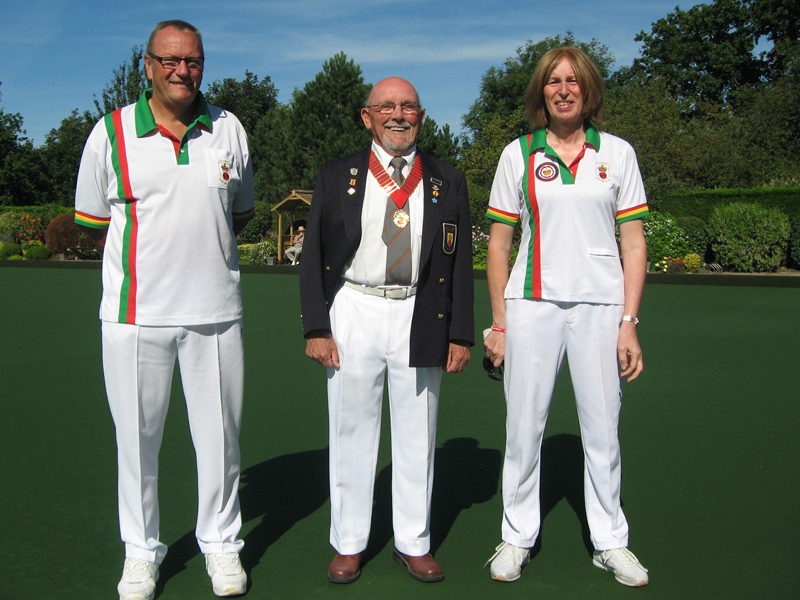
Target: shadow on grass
<point>281,490</point>
<point>464,474</point>
<point>562,478</point>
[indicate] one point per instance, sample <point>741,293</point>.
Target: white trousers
<point>538,334</point>
<point>138,363</point>
<point>372,335</point>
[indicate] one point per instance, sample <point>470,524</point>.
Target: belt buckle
<point>400,293</point>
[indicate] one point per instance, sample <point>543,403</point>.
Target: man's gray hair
<point>180,26</point>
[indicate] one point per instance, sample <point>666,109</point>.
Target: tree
<point>503,88</point>
<point>438,142</point>
<point>779,22</point>
<point>20,180</point>
<point>61,155</point>
<point>249,99</point>
<point>702,54</point>
<point>325,118</point>
<point>275,172</point>
<point>125,87</point>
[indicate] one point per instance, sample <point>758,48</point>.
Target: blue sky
<point>58,54</point>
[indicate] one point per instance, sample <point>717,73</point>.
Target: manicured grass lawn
<point>710,434</point>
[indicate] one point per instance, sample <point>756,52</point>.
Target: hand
<point>495,344</point>
<point>457,358</point>
<point>629,353</point>
<point>321,348</point>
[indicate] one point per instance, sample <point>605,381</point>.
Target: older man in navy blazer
<point>386,288</point>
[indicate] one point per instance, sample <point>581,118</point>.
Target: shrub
<point>32,244</point>
<point>61,234</point>
<point>676,266</point>
<point>794,241</point>
<point>8,225</point>
<point>695,230</point>
<point>15,257</point>
<point>38,253</point>
<point>258,227</point>
<point>664,237</point>
<point>480,247</point>
<point>244,253</point>
<point>263,250</point>
<point>666,262</point>
<point>748,237</point>
<point>29,228</point>
<point>693,262</point>
<point>9,250</point>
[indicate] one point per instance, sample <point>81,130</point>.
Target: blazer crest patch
<point>449,231</point>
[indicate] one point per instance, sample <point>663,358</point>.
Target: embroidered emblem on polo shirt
<point>601,171</point>
<point>547,171</point>
<point>224,168</point>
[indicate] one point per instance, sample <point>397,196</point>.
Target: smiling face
<point>563,96</point>
<point>174,89</point>
<point>395,132</point>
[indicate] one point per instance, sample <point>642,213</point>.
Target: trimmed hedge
<point>701,203</point>
<point>794,241</point>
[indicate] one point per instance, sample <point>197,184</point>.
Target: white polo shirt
<point>568,250</point>
<point>170,256</point>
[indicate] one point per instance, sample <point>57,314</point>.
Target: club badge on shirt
<point>601,171</point>
<point>449,231</point>
<point>547,171</point>
<point>224,168</point>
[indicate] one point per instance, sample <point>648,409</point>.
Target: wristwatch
<point>632,319</point>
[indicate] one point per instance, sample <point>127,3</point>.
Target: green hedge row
<point>701,203</point>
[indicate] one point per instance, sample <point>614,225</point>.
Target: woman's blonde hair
<point>589,79</point>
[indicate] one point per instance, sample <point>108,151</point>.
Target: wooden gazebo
<point>287,207</point>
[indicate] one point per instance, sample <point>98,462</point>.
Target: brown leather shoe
<point>345,568</point>
<point>422,568</point>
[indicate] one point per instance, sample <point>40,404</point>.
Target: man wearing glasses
<point>386,287</point>
<point>165,185</point>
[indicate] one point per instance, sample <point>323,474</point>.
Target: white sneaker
<point>138,580</point>
<point>508,561</point>
<point>625,567</point>
<point>227,576</point>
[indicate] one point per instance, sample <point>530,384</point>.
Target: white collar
<point>385,158</point>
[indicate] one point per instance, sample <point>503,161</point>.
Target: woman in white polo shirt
<point>568,185</point>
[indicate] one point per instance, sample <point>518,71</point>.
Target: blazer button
<point>441,280</point>
<point>327,268</point>
<point>440,316</point>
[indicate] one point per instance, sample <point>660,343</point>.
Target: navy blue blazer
<point>443,309</point>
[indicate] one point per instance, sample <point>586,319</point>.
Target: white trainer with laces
<point>138,580</point>
<point>623,564</point>
<point>508,561</point>
<point>227,575</point>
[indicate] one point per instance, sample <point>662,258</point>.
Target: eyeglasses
<point>193,63</point>
<point>387,108</point>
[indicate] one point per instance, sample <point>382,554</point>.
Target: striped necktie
<point>397,233</point>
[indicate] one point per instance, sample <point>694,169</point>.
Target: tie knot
<point>398,162</point>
